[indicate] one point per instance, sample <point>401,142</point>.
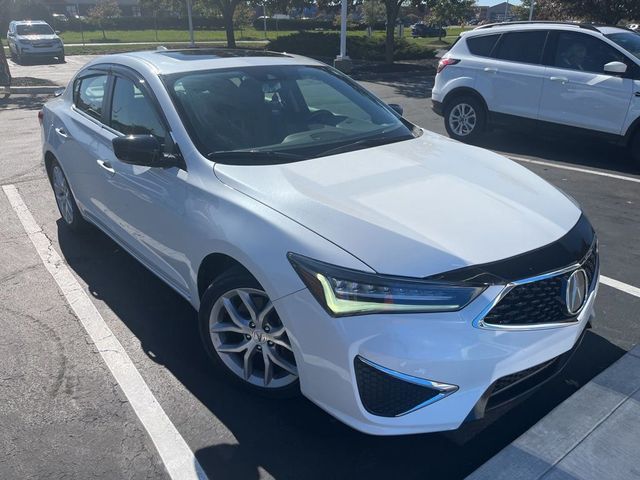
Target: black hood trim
<point>572,248</point>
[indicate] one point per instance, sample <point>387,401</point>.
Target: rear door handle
<point>562,80</point>
<point>62,132</point>
<point>491,70</point>
<point>107,166</point>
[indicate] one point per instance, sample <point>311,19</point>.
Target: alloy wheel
<point>250,339</point>
<point>462,119</point>
<point>63,194</point>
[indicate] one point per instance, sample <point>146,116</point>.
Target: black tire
<point>634,147</point>
<point>474,110</point>
<point>61,58</point>
<point>71,217</point>
<point>234,278</point>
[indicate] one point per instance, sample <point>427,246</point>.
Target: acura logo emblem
<point>576,291</point>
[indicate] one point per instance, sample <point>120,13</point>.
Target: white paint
<point>624,287</point>
<point>178,458</point>
<point>575,169</point>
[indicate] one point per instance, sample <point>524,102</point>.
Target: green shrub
<point>327,44</point>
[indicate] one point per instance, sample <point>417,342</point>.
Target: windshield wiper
<point>363,143</point>
<point>255,157</point>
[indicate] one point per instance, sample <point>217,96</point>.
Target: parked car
<point>634,27</point>
<point>29,39</point>
<point>423,30</point>
<point>579,78</point>
<point>403,282</point>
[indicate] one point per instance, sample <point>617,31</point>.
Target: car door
<point>577,92</point>
<point>77,138</point>
<point>511,82</point>
<point>145,206</point>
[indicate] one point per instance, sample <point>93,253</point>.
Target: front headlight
<point>344,292</point>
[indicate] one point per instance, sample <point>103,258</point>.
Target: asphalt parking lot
<point>63,414</point>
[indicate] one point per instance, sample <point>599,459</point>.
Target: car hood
<point>414,208</point>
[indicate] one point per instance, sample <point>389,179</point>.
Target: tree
<point>160,8</point>
<point>599,11</point>
<point>443,12</point>
<point>104,10</point>
<point>243,16</point>
<point>373,12</point>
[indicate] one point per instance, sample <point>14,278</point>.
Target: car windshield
<point>37,29</point>
<point>283,113</point>
<point>628,40</point>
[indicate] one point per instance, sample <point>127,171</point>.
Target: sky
<point>494,2</point>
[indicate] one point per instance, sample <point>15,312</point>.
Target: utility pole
<point>533,2</point>
<point>192,42</point>
<point>264,18</point>
<point>506,10</point>
<point>342,62</point>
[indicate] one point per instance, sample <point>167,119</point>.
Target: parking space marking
<point>176,455</point>
<point>630,289</point>
<point>575,169</point>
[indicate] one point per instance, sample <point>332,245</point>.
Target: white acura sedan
<point>402,281</point>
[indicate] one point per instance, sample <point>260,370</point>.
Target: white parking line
<point>575,169</point>
<point>630,289</point>
<point>178,458</point>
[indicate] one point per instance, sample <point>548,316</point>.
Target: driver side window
<point>577,51</point>
<point>132,113</point>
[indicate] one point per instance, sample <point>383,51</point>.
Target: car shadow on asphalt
<point>22,102</point>
<point>578,150</point>
<point>292,438</point>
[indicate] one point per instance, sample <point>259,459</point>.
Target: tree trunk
<point>392,14</point>
<point>5,74</point>
<point>227,13</point>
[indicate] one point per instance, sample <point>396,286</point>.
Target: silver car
<point>35,38</point>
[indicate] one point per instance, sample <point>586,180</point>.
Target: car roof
<point>30,22</point>
<point>520,26</point>
<point>164,62</point>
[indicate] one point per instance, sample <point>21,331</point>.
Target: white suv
<point>577,76</point>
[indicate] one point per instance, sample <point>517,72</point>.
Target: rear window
<point>482,46</point>
<point>525,47</point>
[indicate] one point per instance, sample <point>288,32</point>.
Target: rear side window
<point>482,46</point>
<point>89,93</point>
<point>524,47</point>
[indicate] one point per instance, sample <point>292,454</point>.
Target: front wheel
<point>61,58</point>
<point>245,338</point>
<point>464,118</point>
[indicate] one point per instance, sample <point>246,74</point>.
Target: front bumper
<point>445,348</point>
<point>34,51</point>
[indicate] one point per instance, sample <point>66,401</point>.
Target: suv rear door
<point>576,90</point>
<point>511,81</point>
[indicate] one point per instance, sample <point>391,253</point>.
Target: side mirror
<point>10,34</point>
<point>396,108</point>
<point>144,150</point>
<point>57,32</point>
<point>615,68</point>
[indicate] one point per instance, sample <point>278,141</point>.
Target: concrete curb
<point>594,434</point>
<point>35,90</point>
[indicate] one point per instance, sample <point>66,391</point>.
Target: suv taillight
<point>445,62</point>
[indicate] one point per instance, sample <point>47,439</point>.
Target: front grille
<point>542,301</point>
<point>387,396</point>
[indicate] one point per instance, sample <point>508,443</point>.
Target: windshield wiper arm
<point>364,143</point>
<point>254,156</point>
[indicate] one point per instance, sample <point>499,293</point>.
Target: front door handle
<point>62,132</point>
<point>107,166</point>
<point>637,94</point>
<point>562,80</point>
<point>491,70</point>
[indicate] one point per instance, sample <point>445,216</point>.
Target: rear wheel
<point>464,118</point>
<point>635,147</point>
<point>67,206</point>
<point>245,338</point>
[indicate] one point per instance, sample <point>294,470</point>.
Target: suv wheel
<point>244,336</point>
<point>464,118</point>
